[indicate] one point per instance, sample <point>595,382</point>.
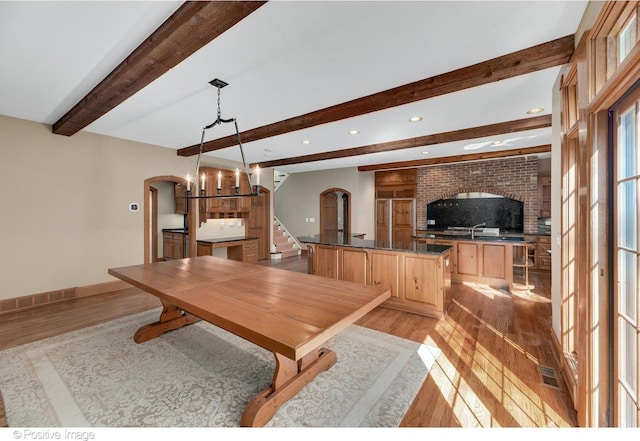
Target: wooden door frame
<point>148,214</point>
<point>268,222</point>
<point>153,198</point>
<point>348,214</point>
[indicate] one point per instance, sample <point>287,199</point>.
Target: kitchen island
<point>418,274</point>
<point>481,259</point>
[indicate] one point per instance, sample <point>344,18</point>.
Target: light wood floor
<point>488,375</point>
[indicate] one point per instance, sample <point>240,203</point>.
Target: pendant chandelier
<point>254,189</point>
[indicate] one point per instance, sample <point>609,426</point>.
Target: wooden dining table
<point>288,313</point>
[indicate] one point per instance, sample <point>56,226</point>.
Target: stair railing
<point>296,244</point>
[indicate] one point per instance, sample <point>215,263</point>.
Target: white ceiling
<point>285,59</point>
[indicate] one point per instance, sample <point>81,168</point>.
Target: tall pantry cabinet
<point>396,205</point>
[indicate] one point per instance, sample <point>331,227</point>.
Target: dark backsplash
<point>504,213</point>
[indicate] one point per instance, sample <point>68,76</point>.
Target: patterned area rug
<point>201,376</point>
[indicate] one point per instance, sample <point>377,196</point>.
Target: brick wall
<point>516,178</point>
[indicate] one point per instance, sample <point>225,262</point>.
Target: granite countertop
<point>441,233</point>
<point>353,242</point>
<point>227,239</point>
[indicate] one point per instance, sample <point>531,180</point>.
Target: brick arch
<point>498,192</point>
<point>514,178</point>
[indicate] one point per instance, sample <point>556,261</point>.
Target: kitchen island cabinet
<point>418,275</point>
<point>486,260</point>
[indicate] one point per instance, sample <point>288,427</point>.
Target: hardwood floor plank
<point>492,345</point>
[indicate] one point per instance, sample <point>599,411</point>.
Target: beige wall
<point>65,216</point>
<point>298,198</point>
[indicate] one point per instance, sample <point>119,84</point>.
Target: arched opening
<point>151,226</point>
<point>335,211</point>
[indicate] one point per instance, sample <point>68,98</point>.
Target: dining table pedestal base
<point>289,378</point>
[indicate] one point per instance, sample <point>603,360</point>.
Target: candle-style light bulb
<point>202,177</point>
<point>219,180</point>
<point>188,182</point>
<point>237,177</point>
<point>257,175</point>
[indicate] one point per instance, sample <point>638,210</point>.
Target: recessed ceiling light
<point>425,153</point>
<point>306,141</point>
<point>496,143</point>
<point>536,110</point>
<point>354,132</point>
<point>415,119</point>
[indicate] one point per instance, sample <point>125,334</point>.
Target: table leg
<point>171,318</point>
<point>289,378</point>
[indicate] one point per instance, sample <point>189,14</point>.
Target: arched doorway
<point>150,214</point>
<point>335,211</point>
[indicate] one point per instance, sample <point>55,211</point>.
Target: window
<point>627,252</point>
<point>627,38</point>
<point>613,40</point>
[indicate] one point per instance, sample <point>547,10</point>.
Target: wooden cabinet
<point>240,250</point>
<point>467,258</point>
<point>385,271</point>
<point>174,245</point>
<point>494,261</point>
<point>478,261</point>
<point>328,262</point>
<point>402,220</point>
<point>395,220</point>
<point>421,280</point>
<point>204,248</point>
<point>181,205</point>
<point>350,264</point>
<point>543,244</point>
<point>383,227</point>
<point>419,283</point>
<point>227,207</point>
<point>250,250</point>
<point>396,183</point>
<point>247,251</point>
<point>259,223</point>
<point>355,265</point>
<point>544,196</point>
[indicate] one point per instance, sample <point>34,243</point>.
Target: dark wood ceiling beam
<point>458,158</point>
<point>543,56</point>
<point>192,26</point>
<point>537,122</point>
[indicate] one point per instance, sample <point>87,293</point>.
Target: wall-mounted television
<point>469,209</point>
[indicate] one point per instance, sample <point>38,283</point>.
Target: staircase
<point>284,245</point>
<point>278,178</point>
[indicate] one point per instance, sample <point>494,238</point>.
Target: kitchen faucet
<point>474,228</point>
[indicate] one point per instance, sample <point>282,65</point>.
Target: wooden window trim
<point>603,45</point>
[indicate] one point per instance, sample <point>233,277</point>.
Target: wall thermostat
<point>134,206</point>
